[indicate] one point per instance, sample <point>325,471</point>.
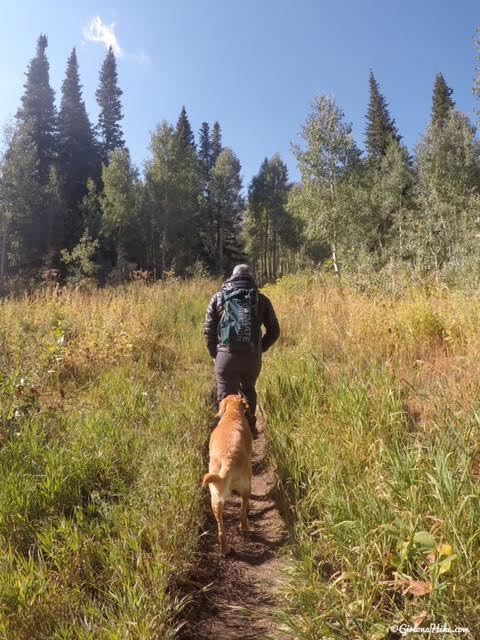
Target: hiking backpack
<point>239,327</point>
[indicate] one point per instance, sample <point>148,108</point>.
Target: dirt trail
<point>242,594</point>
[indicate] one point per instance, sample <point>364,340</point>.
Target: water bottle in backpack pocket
<point>239,328</point>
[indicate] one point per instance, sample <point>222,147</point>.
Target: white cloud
<point>98,31</point>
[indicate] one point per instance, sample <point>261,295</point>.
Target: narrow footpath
<point>240,591</point>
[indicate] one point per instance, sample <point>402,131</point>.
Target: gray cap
<point>244,270</point>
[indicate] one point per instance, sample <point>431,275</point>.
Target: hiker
<point>234,338</point>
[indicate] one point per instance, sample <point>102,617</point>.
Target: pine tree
<point>268,226</point>
<point>204,152</point>
<point>184,131</point>
<point>38,109</point>
<point>172,193</point>
<point>216,145</point>
<point>380,127</point>
<point>23,237</point>
<point>442,102</point>
<point>78,158</point>
<point>227,204</point>
<point>108,97</point>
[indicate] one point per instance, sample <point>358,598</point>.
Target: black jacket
<point>266,315</point>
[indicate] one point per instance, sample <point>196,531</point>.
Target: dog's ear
<point>221,408</point>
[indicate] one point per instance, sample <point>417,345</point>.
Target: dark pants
<point>238,372</point>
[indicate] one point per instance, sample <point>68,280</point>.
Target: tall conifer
<point>204,151</point>
<point>442,102</point>
<point>78,158</point>
<point>38,109</point>
<point>216,145</point>
<point>184,131</point>
<point>380,127</point>
<point>108,97</point>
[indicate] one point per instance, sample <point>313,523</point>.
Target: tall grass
<point>374,420</point>
<point>104,400</point>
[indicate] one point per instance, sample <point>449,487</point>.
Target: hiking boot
<point>252,421</point>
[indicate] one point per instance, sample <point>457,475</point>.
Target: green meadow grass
<point>104,410</point>
<point>372,398</point>
<point>374,419</point>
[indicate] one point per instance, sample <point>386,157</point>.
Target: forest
<point>74,208</point>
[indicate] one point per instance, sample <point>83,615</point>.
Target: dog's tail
<point>217,479</point>
<point>211,477</point>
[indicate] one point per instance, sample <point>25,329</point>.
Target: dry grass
<point>374,411</point>
<point>374,414</point>
<point>104,401</point>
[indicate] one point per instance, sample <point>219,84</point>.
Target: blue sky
<point>254,65</point>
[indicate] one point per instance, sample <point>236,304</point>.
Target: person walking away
<point>233,334</point>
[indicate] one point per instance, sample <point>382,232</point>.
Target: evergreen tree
<point>380,127</point>
<point>78,158</point>
<point>268,227</point>
<point>205,152</point>
<point>227,205</point>
<point>184,131</point>
<point>23,230</point>
<point>38,109</point>
<point>442,102</point>
<point>108,97</point>
<point>216,144</point>
<point>172,194</point>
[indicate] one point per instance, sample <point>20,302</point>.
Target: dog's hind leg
<point>244,513</point>
<point>217,507</point>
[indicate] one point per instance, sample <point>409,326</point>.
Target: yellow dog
<point>230,466</point>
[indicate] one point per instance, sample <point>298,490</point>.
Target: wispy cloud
<point>98,31</point>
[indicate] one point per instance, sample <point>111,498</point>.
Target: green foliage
<point>442,102</point>
<point>227,204</point>
<point>22,202</point>
<point>119,203</point>
<point>329,165</point>
<point>81,259</point>
<point>172,200</point>
<point>77,157</point>
<point>374,440</point>
<point>447,193</point>
<point>380,128</point>
<point>391,186</point>
<point>216,145</point>
<point>99,502</point>
<point>108,97</point>
<point>269,228</point>
<point>37,112</point>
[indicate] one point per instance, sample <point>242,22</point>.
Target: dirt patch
<point>240,591</point>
